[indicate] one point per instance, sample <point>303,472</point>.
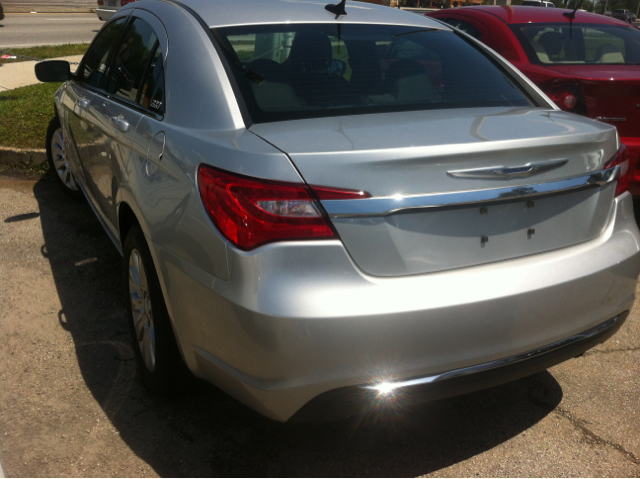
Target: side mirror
<point>53,71</point>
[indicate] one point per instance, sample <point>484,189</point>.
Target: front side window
<point>95,61</point>
<point>579,43</point>
<point>289,72</point>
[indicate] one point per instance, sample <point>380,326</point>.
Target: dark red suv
<point>589,65</point>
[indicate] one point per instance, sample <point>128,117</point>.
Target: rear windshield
<point>579,43</point>
<point>286,72</point>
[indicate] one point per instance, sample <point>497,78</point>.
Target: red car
<point>589,65</point>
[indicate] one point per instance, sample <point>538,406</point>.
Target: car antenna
<point>571,16</point>
<point>338,9</point>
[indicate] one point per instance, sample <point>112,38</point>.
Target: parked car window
<point>604,46</point>
<point>579,43</point>
<point>465,27</point>
<point>94,63</point>
<point>151,93</point>
<point>302,71</point>
<point>131,57</point>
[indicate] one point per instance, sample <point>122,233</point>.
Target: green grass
<point>42,53</point>
<point>25,114</point>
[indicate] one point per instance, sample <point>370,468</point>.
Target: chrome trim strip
<point>500,362</point>
<point>504,172</point>
<point>387,205</point>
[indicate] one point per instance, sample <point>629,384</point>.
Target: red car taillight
<point>250,212</point>
<point>568,96</point>
<point>100,2</point>
<point>620,158</point>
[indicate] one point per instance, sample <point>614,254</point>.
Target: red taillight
<point>568,96</point>
<point>620,158</point>
<point>250,212</point>
<point>100,2</point>
<point>126,2</point>
<point>324,193</point>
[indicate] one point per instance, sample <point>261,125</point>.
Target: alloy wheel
<point>60,162</point>
<point>141,310</point>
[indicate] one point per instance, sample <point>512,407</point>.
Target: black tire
<point>58,164</point>
<point>168,375</point>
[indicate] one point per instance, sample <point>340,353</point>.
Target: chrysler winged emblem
<point>504,172</point>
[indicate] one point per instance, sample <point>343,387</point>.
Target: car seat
<point>408,81</point>
<point>541,53</point>
<point>609,53</point>
<point>308,70</point>
<point>552,42</point>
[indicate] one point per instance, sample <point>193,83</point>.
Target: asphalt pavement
<point>30,29</point>
<point>71,403</point>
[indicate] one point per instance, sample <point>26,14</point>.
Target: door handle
<point>120,124</point>
<point>84,104</point>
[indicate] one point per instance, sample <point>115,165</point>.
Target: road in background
<point>28,30</point>
<point>49,6</point>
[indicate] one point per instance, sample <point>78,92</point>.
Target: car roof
<point>519,14</point>
<point>223,13</point>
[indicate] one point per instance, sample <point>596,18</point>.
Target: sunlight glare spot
<point>385,389</point>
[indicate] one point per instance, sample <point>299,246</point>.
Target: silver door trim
<point>383,206</point>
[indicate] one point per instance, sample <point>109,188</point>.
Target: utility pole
<point>605,7</point>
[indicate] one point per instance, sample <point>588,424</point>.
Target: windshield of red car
<point>553,44</point>
<point>286,72</point>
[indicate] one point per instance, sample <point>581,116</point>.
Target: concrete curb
<point>22,156</point>
<point>46,9</point>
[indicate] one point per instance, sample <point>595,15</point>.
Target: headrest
<point>552,42</point>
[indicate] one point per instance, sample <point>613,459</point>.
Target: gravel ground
<point>71,403</point>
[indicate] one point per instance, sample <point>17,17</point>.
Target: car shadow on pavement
<point>210,434</point>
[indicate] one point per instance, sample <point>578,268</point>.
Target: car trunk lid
<point>428,212</point>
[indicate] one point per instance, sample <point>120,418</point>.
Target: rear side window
<point>579,43</point>
<point>289,72</point>
<point>151,95</point>
<point>131,58</point>
<point>95,61</point>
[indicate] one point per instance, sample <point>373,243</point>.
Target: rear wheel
<point>58,162</point>
<point>159,362</point>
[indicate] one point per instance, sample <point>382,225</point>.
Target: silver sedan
<point>340,208</point>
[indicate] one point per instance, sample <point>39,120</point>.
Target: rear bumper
<point>344,402</point>
<point>633,152</point>
<point>104,14</point>
<point>296,320</point>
